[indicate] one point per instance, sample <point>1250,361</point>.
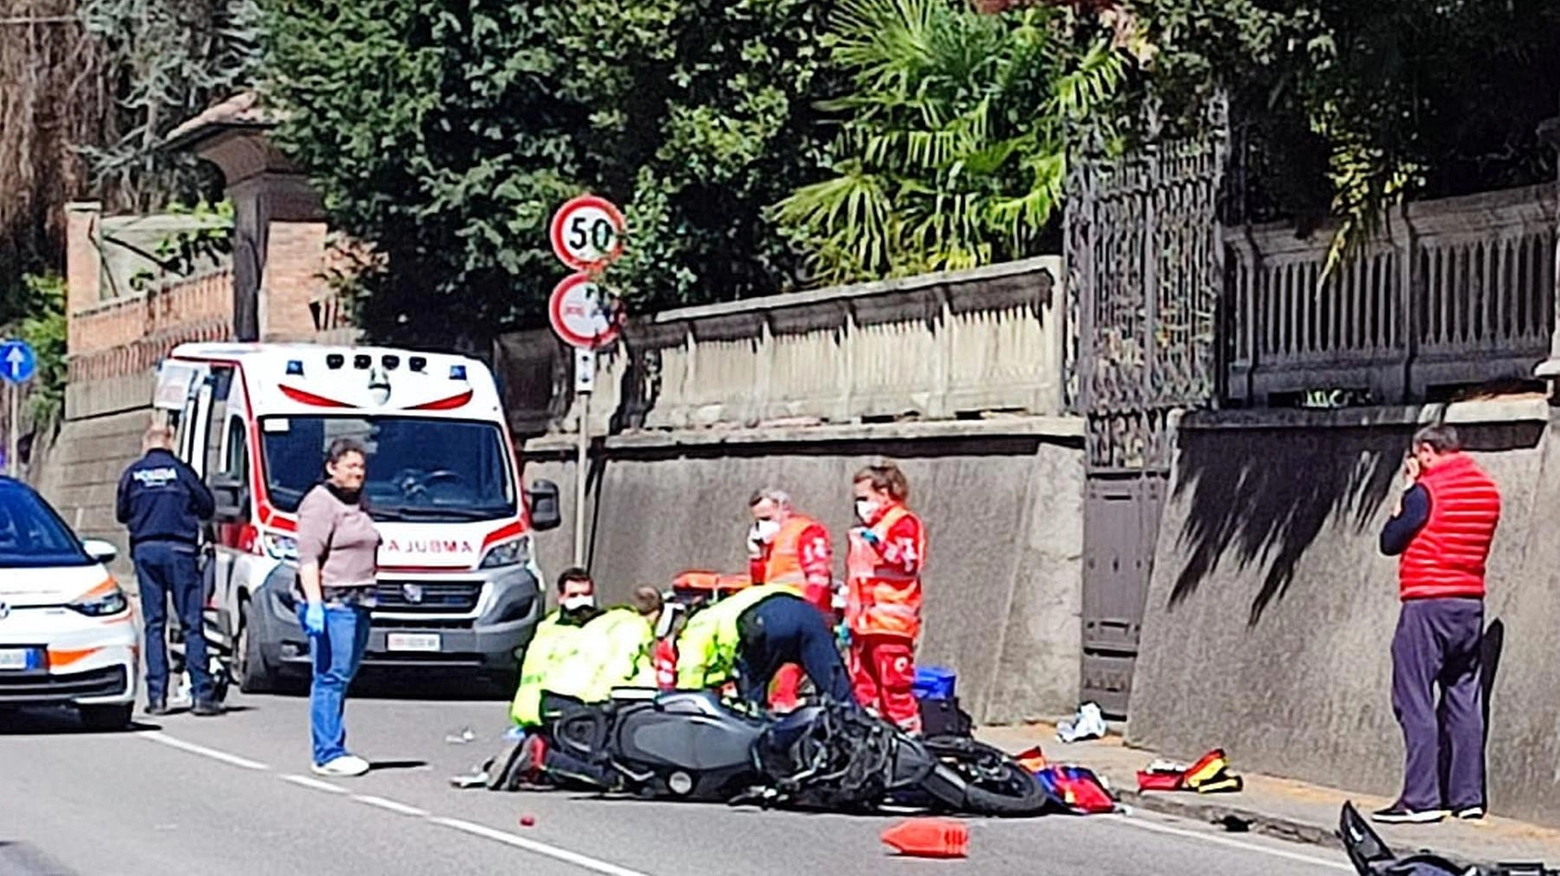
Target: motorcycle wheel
<point>994,783</point>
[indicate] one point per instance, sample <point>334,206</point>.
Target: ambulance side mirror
<point>232,499</point>
<point>543,499</point>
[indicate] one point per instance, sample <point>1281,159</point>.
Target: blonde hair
<point>885,475</point>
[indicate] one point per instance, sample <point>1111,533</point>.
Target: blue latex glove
<point>314,619</point>
<point>842,636</point>
<point>869,536</point>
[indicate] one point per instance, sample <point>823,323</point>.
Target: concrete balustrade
<point>940,346</point>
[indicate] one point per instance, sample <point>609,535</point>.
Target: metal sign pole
<point>11,429</point>
<point>584,383</point>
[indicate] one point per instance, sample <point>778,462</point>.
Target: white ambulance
<point>459,589</point>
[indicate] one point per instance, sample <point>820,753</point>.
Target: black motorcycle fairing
<point>686,744</point>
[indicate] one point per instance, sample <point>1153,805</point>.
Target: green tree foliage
<point>953,148</point>
<point>44,330</point>
<point>1351,107</point>
<point>170,59</point>
<point>444,134</point>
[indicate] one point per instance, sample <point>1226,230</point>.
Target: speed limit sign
<point>587,233</point>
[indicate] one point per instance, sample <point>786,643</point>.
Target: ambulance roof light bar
<point>457,372</point>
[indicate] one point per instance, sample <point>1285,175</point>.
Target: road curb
<point>1232,817</point>
<point>1236,818</point>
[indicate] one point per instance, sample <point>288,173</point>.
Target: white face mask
<point>866,509</point>
<point>765,530</point>
<point>575,603</point>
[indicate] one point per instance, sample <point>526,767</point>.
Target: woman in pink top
<point>338,548</point>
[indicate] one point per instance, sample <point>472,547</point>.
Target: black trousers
<point>788,629</point>
<point>563,765</point>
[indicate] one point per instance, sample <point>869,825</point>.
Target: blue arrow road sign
<point>17,363</point>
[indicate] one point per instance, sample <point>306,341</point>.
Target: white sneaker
<point>346,765</point>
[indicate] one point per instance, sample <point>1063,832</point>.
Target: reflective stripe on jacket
<point>884,599</point>
<point>801,556</point>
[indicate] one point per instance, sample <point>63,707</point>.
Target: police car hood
<point>51,585</point>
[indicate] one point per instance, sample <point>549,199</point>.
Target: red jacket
<point>801,556</point>
<point>1447,557</point>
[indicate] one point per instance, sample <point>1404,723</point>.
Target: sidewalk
<point>1284,808</point>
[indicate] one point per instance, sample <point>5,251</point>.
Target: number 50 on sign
<point>587,233</point>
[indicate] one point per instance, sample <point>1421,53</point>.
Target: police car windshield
<point>422,469</point>
<point>32,535</point>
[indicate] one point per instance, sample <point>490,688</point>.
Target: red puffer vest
<point>1446,558</point>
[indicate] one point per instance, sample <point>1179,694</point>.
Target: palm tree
<point>953,144</point>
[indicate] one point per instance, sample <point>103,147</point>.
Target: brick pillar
<point>294,266</point>
<point>83,265</point>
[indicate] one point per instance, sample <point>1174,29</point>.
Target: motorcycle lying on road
<point>1371,856</point>
<point>690,745</point>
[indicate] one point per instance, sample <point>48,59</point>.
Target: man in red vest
<point>1441,534</point>
<point>785,547</point>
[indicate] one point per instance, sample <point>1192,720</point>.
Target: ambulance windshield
<point>420,469</point>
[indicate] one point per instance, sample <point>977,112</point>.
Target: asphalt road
<point>233,795</point>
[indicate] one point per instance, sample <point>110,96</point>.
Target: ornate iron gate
<point>1145,266</point>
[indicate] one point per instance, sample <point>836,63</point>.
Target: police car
<point>66,630</point>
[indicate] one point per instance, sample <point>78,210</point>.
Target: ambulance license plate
<point>15,659</point>
<point>413,642</point>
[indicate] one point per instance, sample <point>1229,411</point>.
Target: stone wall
<point>1271,612</point>
<point>1002,503</point>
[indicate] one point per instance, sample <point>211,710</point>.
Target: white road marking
<point>316,784</point>
<point>1232,843</point>
<point>162,738</point>
<point>608,869</point>
<point>544,849</point>
<point>556,853</point>
<point>391,805</point>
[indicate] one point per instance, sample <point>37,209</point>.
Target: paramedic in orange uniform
<point>785,547</point>
<point>883,612</point>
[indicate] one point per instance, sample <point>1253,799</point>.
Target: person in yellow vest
<point>750,635</point>
<point>613,649</point>
<point>555,641</point>
<point>786,547</point>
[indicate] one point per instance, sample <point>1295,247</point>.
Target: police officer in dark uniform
<point>162,502</point>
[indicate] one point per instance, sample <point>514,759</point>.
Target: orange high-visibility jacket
<point>801,556</point>
<point>885,582</point>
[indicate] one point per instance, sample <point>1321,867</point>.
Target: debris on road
<point>527,820</point>
<point>465,735</point>
<point>1209,775</point>
<point>1089,723</point>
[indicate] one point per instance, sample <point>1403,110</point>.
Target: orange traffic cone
<point>929,838</point>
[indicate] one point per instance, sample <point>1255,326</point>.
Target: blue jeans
<point>337,655</point>
<point>164,568</point>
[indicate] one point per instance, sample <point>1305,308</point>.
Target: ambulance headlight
<point>280,547</point>
<point>514,552</point>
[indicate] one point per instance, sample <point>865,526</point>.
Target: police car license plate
<point>412,641</point>
<point>15,658</point>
